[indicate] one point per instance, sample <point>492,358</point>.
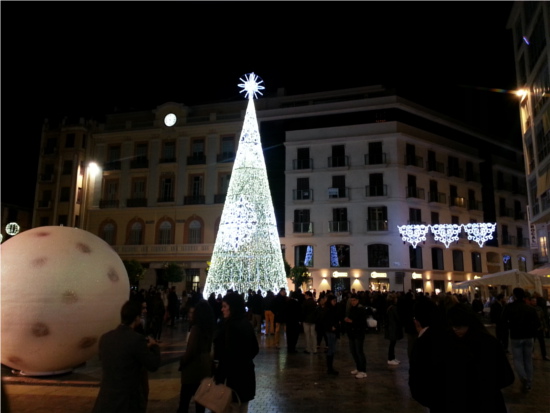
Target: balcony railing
<point>225,157</point>
<point>165,199</point>
<point>196,160</point>
<point>474,205</point>
<point>509,240</point>
<point>334,193</point>
<point>375,158</point>
<point>219,198</point>
<point>415,192</point>
<point>44,204</point>
<point>338,161</point>
<point>438,197</point>
<point>168,160</point>
<point>136,202</point>
<point>139,163</point>
<point>108,203</point>
<point>472,177</point>
<point>457,201</point>
<point>506,212</point>
<point>435,167</point>
<point>46,177</point>
<point>523,242</point>
<point>193,199</point>
<point>376,190</point>
<point>303,227</point>
<point>338,226</point>
<point>520,216</point>
<point>414,160</point>
<point>302,164</point>
<point>302,194</point>
<point>377,225</point>
<point>456,172</point>
<point>111,166</point>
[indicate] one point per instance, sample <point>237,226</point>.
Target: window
<point>227,149</point>
<point>303,160</point>
<point>339,221</point>
<point>339,255</point>
<point>439,286</point>
<point>69,140</point>
<point>437,259</point>
<point>303,255</point>
<point>453,166</point>
<point>165,234</point>
<point>378,255</point>
<point>138,188</point>
<point>65,194</point>
<point>303,191</point>
<point>376,185</point>
<point>476,262</point>
<point>458,260</point>
<point>79,195</point>
<point>195,190</point>
<point>522,263</point>
<point>434,218</point>
<point>108,233</point>
<point>195,232</point>
<point>51,146</point>
<point>415,257</point>
<point>168,151</point>
<point>506,262</point>
<point>375,155</point>
<point>113,158</point>
<point>338,157</point>
<point>135,236</point>
<point>166,188</point>
<point>67,167</point>
<point>197,152</point>
<point>338,186</point>
<point>377,218</point>
<point>302,223</point>
<point>415,216</point>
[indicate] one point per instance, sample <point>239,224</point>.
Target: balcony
<point>377,225</point>
<point>196,160</point>
<point>219,198</point>
<point>338,226</point>
<point>136,202</point>
<point>415,192</point>
<point>338,193</point>
<point>338,161</point>
<point>168,160</point>
<point>472,177</point>
<point>520,216</point>
<point>225,157</point>
<point>302,227</point>
<point>165,199</point>
<point>139,163</point>
<point>457,201</point>
<point>455,172</point>
<point>45,204</point>
<point>523,242</point>
<point>302,194</point>
<point>46,177</point>
<point>413,160</point>
<point>436,167</point>
<point>437,197</point>
<point>108,203</point>
<point>474,205</point>
<point>193,200</point>
<point>298,164</point>
<point>112,166</point>
<point>376,190</point>
<point>506,212</point>
<point>509,240</point>
<point>375,159</point>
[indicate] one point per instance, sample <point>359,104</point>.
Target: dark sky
<point>88,58</point>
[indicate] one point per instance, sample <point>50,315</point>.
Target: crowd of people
<point>448,346</point>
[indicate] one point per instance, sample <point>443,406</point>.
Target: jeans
<point>356,348</point>
<point>522,353</point>
<point>331,343</point>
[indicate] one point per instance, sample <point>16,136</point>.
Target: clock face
<point>170,119</point>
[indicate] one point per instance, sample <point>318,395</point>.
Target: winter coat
<point>394,328</point>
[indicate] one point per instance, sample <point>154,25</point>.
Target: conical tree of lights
<point>247,253</point>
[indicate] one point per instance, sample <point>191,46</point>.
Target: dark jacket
<point>521,320</point>
<point>394,328</point>
<point>309,311</point>
<point>358,326</point>
<point>235,346</point>
<point>196,362</point>
<point>123,354</point>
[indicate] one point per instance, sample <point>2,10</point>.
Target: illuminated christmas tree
<point>247,253</point>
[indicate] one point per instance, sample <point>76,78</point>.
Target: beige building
<point>355,164</point>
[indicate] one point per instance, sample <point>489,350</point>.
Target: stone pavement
<point>293,383</point>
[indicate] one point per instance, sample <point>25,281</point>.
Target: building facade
<point>530,25</point>
<point>346,169</point>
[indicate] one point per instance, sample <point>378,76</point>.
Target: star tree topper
<point>251,85</point>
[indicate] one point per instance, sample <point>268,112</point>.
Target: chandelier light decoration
<point>247,252</point>
<point>447,233</point>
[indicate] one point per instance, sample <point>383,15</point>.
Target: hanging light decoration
<point>413,233</point>
<point>480,232</point>
<point>446,233</point>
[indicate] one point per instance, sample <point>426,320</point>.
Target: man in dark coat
<point>124,354</point>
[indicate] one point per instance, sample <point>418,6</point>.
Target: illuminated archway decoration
<point>247,253</point>
<point>479,232</point>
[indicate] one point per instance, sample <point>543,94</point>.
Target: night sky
<point>88,59</point>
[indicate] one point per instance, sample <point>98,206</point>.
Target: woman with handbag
<point>235,346</point>
<point>196,362</point>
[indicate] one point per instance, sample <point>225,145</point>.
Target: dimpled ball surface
<point>62,288</point>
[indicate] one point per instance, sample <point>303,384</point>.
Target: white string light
<point>413,233</point>
<point>446,233</point>
<point>479,232</point>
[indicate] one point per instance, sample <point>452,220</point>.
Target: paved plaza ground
<point>293,383</point>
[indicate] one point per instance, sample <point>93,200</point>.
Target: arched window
<point>165,233</point>
<point>437,259</point>
<point>458,260</point>
<point>378,255</point>
<point>195,232</point>
<point>303,255</point>
<point>506,262</point>
<point>522,263</point>
<point>476,262</point>
<point>108,233</point>
<point>339,255</point>
<point>135,233</point>
<point>415,257</point>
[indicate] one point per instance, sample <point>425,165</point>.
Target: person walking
<point>522,322</point>
<point>543,327</point>
<point>196,362</point>
<point>356,322</point>
<point>235,346</point>
<point>329,321</point>
<point>292,315</point>
<point>173,306</point>
<point>278,308</point>
<point>309,312</point>
<point>268,313</point>
<point>123,354</point>
<point>394,328</point>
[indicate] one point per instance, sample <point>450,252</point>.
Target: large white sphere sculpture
<point>62,288</point>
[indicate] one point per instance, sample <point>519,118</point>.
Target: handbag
<point>216,397</point>
<point>371,322</point>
